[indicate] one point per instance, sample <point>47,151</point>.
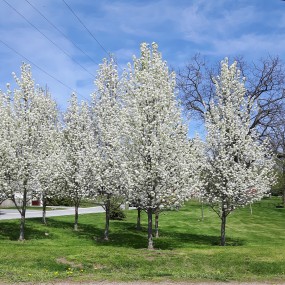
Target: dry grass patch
<point>63,260</point>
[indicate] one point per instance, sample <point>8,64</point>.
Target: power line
<point>70,9</point>
<point>62,33</point>
<point>90,33</point>
<point>56,45</point>
<point>42,70</point>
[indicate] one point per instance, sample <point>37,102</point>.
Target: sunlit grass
<point>187,248</point>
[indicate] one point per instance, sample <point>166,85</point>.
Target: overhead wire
<point>56,45</point>
<point>61,32</point>
<point>80,21</point>
<point>92,35</point>
<point>89,32</point>
<point>42,70</point>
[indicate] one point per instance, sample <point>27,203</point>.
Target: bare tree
<point>276,135</point>
<point>264,83</point>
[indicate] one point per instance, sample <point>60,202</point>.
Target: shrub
<point>116,212</point>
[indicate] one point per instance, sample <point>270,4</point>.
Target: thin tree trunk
<point>107,222</point>
<point>150,239</point>
<point>156,223</point>
<point>22,225</point>
<point>223,228</point>
<point>139,219</point>
<point>127,206</point>
<point>76,217</point>
<point>283,196</point>
<point>250,207</point>
<point>23,214</point>
<point>44,221</point>
<point>202,211</point>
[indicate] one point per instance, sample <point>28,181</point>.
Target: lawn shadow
<point>122,234</point>
<point>86,231</point>
<point>126,235</point>
<point>11,230</point>
<point>182,239</point>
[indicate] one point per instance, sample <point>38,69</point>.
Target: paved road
<point>9,214</point>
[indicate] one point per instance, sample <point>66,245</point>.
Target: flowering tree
<point>6,149</point>
<point>50,153</point>
<point>22,130</point>
<point>79,153</point>
<point>107,124</point>
<point>239,168</point>
<point>156,140</point>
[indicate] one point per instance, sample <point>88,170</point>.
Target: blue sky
<point>216,29</point>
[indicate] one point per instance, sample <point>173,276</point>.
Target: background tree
<point>264,86</point>
<point>239,169</point>
<point>155,137</point>
<point>79,153</point>
<point>277,140</point>
<point>6,148</point>
<point>50,153</point>
<point>107,124</point>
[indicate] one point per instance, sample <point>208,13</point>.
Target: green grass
<point>187,248</point>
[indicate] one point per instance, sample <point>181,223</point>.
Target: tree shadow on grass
<point>125,235</point>
<point>11,230</point>
<point>122,234</point>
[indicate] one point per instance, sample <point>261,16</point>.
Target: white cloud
<point>251,45</point>
<point>182,28</point>
<point>33,46</point>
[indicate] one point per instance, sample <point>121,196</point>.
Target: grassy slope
<point>187,249</point>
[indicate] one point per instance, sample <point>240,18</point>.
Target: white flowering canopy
<point>157,146</point>
<point>26,114</point>
<point>240,168</point>
<point>7,168</point>
<point>107,125</point>
<point>79,150</point>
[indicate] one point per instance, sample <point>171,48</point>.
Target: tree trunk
<point>150,239</point>
<point>202,211</point>
<point>76,217</point>
<point>23,213</point>
<point>22,225</point>
<point>223,228</point>
<point>107,222</point>
<point>127,206</point>
<point>156,223</point>
<point>44,221</point>
<point>139,219</point>
<point>283,196</point>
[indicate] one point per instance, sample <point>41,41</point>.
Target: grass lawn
<point>187,248</point>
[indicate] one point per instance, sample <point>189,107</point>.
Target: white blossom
<point>23,130</point>
<point>240,168</point>
<point>109,175</point>
<point>78,153</point>
<point>157,148</point>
